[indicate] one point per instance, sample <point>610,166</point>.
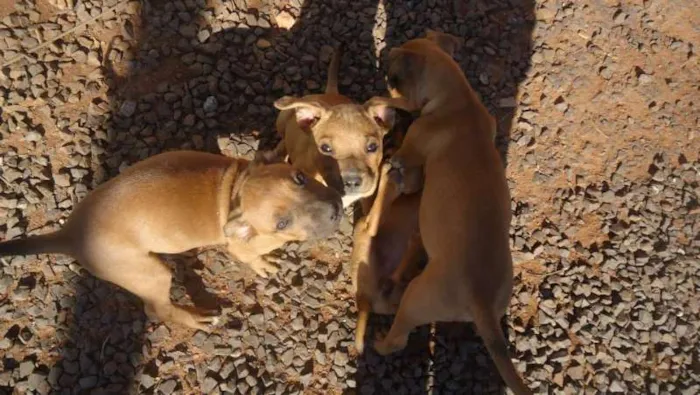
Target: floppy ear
<point>238,227</point>
<point>381,103</point>
<point>405,67</point>
<point>446,42</point>
<point>308,112</point>
<point>265,158</point>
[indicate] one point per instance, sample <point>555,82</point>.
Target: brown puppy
<point>465,208</point>
<point>177,201</point>
<point>386,249</point>
<point>333,139</point>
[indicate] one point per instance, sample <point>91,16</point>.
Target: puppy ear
<point>446,42</point>
<point>308,112</point>
<point>405,68</point>
<point>265,158</point>
<point>239,228</point>
<point>391,102</point>
<point>381,113</point>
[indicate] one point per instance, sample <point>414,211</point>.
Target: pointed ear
<point>239,228</point>
<point>446,42</point>
<point>308,112</point>
<point>381,113</point>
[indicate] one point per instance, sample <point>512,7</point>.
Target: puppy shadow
<point>189,284</point>
<point>103,341</point>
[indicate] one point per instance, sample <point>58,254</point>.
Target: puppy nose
<point>352,180</point>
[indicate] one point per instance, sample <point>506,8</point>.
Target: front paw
<point>386,345</point>
<point>264,268</point>
<point>397,171</point>
<point>382,345</point>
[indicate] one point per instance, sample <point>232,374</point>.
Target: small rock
<point>263,43</point>
<point>645,79</point>
<point>26,368</point>
<point>168,386</point>
<point>88,382</point>
<point>508,102</point>
<point>210,104</point>
<point>285,20</point>
<point>62,180</point>
<point>147,381</point>
<point>188,31</point>
<point>209,384</point>
<point>127,108</point>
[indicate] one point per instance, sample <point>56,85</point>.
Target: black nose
<point>352,181</point>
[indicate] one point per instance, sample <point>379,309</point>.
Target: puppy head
<point>349,139</point>
<point>413,66</point>
<point>280,201</point>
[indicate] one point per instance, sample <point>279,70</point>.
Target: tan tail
<point>333,67</point>
<point>361,326</point>
<point>490,330</point>
<point>51,243</point>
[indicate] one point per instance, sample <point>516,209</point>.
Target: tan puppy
<point>333,139</point>
<point>386,249</point>
<point>465,208</point>
<point>177,201</point>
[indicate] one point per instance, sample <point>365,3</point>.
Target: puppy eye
<point>299,178</point>
<point>372,147</point>
<point>283,224</point>
<point>326,149</point>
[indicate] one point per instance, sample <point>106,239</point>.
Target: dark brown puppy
<point>177,201</point>
<point>465,208</point>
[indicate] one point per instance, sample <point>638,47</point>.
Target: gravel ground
<point>599,100</point>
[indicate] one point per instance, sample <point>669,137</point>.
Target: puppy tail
<point>333,67</point>
<point>50,243</point>
<point>363,308</point>
<point>490,330</point>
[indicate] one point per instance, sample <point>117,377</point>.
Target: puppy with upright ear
<point>333,139</point>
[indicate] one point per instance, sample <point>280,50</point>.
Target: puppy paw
<point>386,345</point>
<point>381,346</point>
<point>264,268</point>
<point>397,170</point>
<point>385,169</point>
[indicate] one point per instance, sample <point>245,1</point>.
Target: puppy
<point>464,213</point>
<point>333,139</point>
<point>177,201</point>
<point>387,250</point>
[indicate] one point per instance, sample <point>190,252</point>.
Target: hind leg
<point>423,302</point>
<point>412,257</point>
<point>147,277</point>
